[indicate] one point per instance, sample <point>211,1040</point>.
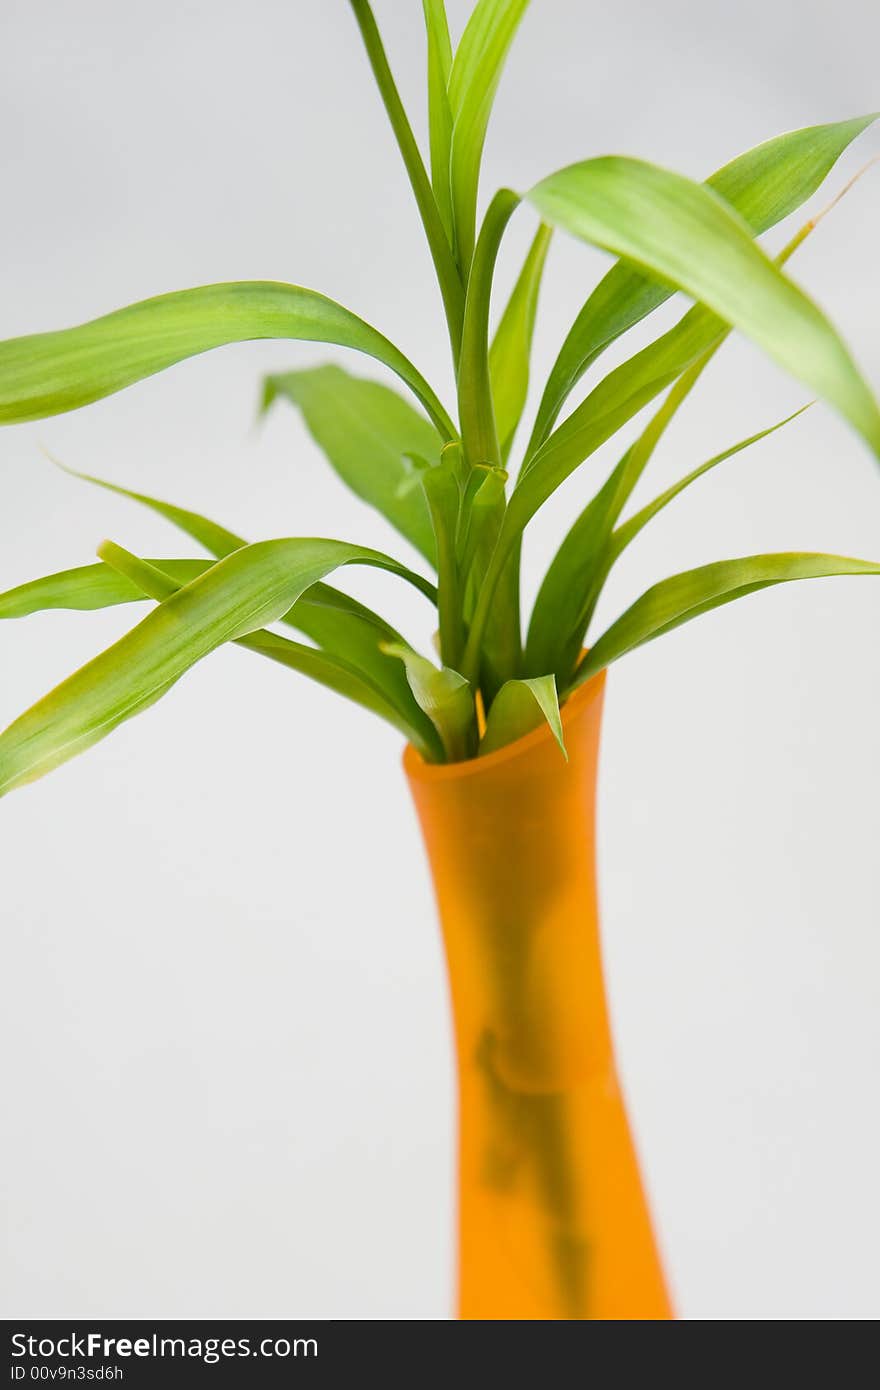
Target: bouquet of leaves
<point>445,476</point>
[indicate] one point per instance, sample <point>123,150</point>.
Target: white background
<point>227,1071</point>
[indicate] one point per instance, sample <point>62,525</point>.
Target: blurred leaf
<point>368,434</point>
<point>447,699</point>
<point>687,235</point>
<point>512,345</point>
<point>48,373</point>
<point>473,82</point>
<point>685,596</point>
<point>519,707</point>
<point>245,591</point>
<point>764,185</point>
<point>439,110</point>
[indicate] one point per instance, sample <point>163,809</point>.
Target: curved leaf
<point>238,595</point>
<point>764,185</point>
<point>627,532</point>
<point>447,699</point>
<point>345,629</point>
<point>687,235</point>
<point>473,82</point>
<point>217,540</point>
<point>333,672</point>
<point>571,586</point>
<point>519,707</point>
<point>48,373</point>
<point>685,596</point>
<point>349,635</point>
<point>87,588</point>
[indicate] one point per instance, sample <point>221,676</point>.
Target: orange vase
<point>553,1219</point>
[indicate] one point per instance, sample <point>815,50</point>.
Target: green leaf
<point>87,588</point>
<point>368,434</point>
<point>48,373</point>
<point>519,707</point>
<point>345,629</point>
<point>350,635</point>
<point>215,539</point>
<point>622,394</point>
<point>685,596</point>
<point>687,235</point>
<point>627,533</point>
<point>348,679</point>
<point>247,590</point>
<point>479,435</point>
<point>511,347</point>
<point>445,265</point>
<point>572,586</point>
<point>439,110</point>
<point>447,699</point>
<point>473,82</point>
<point>574,579</point>
<point>764,185</point>
<point>442,486</point>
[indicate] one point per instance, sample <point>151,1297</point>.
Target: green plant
<point>442,478</point>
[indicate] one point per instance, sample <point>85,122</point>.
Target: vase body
<point>553,1219</point>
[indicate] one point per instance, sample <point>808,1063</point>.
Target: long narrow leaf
<point>443,490</point>
<point>473,82</point>
<point>622,394</point>
<point>350,636</point>
<point>685,596</point>
<point>626,533</point>
<point>217,540</point>
<point>238,595</point>
<point>687,235</point>
<point>479,434</point>
<point>439,109</point>
<point>511,347</point>
<point>49,373</point>
<point>343,628</point>
<point>87,588</point>
<point>764,185</point>
<point>333,672</point>
<point>449,279</point>
<point>573,581</point>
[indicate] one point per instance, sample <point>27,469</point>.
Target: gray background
<point>227,1069</point>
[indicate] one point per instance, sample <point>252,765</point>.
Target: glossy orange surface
<point>553,1221</point>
